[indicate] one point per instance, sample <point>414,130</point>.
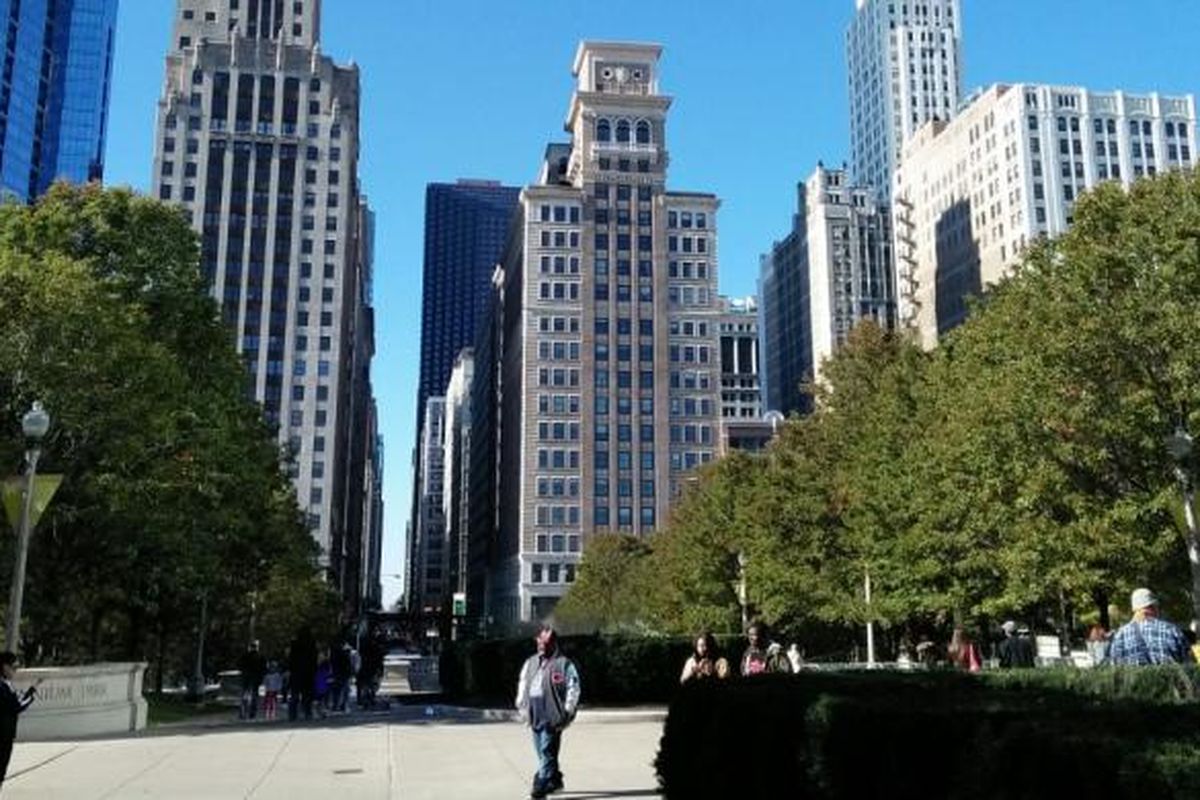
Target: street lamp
<point>35,424</point>
<point>1181,446</point>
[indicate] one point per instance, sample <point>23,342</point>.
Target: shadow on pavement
<point>589,795</point>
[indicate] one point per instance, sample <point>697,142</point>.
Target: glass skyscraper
<point>54,92</point>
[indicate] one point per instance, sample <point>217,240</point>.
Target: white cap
<point>1142,598</point>
<point>1009,627</point>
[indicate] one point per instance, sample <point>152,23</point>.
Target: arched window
<point>603,131</point>
<point>643,132</point>
<point>623,130</point>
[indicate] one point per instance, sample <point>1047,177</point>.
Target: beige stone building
<point>609,381</point>
<point>972,193</point>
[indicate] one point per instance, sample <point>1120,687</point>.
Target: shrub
<point>1099,734</point>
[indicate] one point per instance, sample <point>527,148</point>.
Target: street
<point>401,754</point>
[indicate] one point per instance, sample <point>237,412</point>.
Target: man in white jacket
<point>547,697</point>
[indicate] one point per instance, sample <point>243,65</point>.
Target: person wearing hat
<point>1017,648</point>
<point>1147,638</point>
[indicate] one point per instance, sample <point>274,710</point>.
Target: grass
<point>165,709</point>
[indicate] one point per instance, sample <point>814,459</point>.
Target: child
<point>272,685</point>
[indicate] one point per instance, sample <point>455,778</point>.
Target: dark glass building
<point>54,92</point>
<point>465,228</point>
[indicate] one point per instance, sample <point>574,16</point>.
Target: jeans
<point>546,743</point>
<point>249,708</point>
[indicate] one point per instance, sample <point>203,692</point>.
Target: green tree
<point>610,590</point>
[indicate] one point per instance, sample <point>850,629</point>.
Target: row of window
<point>602,518</point>
<point>624,242</point>
<point>687,244</point>
<point>624,405</point>
<point>601,432</point>
<point>558,351</point>
<point>625,352</point>
<point>552,573</point>
<point>557,543</point>
<point>602,191</point>
<point>558,431</point>
<point>559,265</point>
<point>557,487</point>
<point>556,515</point>
<point>556,458</point>
<point>560,214</point>
<point>686,219</point>
<point>559,239</point>
<point>624,326</point>
<point>549,324</point>
<point>601,460</point>
<point>601,487</point>
<point>624,378</point>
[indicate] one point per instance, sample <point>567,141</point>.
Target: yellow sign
<point>13,491</point>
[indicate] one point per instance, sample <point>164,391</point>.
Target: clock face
<point>623,73</point>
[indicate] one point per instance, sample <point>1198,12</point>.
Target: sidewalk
<point>453,752</point>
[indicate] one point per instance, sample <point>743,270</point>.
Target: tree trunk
<point>1100,598</point>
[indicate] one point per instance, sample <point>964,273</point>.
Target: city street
<point>404,754</point>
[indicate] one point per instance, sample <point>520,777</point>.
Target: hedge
<point>1037,733</point>
<point>614,669</point>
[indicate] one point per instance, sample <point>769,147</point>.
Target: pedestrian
<point>1016,650</point>
<point>962,651</point>
<point>11,705</point>
<point>253,667</point>
<point>795,657</point>
<point>322,682</point>
<point>763,655</point>
<point>272,685</point>
<point>302,671</point>
<point>704,662</point>
<point>1147,638</point>
<point>1098,640</point>
<point>547,699</point>
<point>341,664</point>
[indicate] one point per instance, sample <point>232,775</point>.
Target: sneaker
<point>556,784</point>
<point>539,790</point>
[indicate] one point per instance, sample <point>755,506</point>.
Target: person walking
<point>1016,650</point>
<point>962,651</point>
<point>342,665</point>
<point>547,698</point>
<point>1147,638</point>
<point>253,667</point>
<point>11,706</point>
<point>1098,640</point>
<point>763,656</point>
<point>704,662</point>
<point>272,685</point>
<point>302,672</point>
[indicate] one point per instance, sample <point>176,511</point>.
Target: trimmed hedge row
<point>614,669</point>
<point>1095,734</point>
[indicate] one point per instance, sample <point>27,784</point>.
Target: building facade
<point>258,143</point>
<point>832,272</point>
<point>973,192</point>
<point>905,68</point>
<point>58,58</point>
<point>431,569</point>
<point>741,394</point>
<point>609,384</point>
<point>456,461</point>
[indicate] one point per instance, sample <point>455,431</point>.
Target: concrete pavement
<point>458,754</point>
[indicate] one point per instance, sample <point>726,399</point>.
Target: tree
<point>174,494</point>
<point>610,588</point>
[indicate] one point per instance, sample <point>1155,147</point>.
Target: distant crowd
<point>310,680</point>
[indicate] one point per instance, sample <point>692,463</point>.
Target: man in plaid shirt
<point>1148,639</point>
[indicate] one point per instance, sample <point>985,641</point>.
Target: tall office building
<point>905,68</point>
<point>430,573</point>
<point>833,271</point>
<point>972,192</point>
<point>456,469</point>
<point>609,372</point>
<point>58,58</point>
<point>258,144</point>
<point>466,223</point>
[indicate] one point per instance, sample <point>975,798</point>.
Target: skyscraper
<point>258,143</point>
<point>609,360</point>
<point>905,68</point>
<point>974,191</point>
<point>465,228</point>
<point>54,97</point>
<point>834,270</point>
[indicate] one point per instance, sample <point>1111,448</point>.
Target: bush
<point>1097,734</point>
<point>612,669</point>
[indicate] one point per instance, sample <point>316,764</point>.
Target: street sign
<point>460,604</point>
<point>13,491</point>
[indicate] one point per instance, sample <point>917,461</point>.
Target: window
<point>603,130</point>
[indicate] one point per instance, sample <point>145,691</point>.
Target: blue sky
<point>475,88</point>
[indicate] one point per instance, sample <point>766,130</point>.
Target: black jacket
<point>12,704</point>
<point>1016,651</point>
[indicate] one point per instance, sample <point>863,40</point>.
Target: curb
<point>592,716</point>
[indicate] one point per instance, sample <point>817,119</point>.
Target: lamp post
<point>1181,447</point>
<point>34,424</point>
<point>741,589</point>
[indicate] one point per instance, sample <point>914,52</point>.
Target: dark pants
<point>249,709</point>
<point>298,696</point>
<point>6,746</point>
<point>546,743</point>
